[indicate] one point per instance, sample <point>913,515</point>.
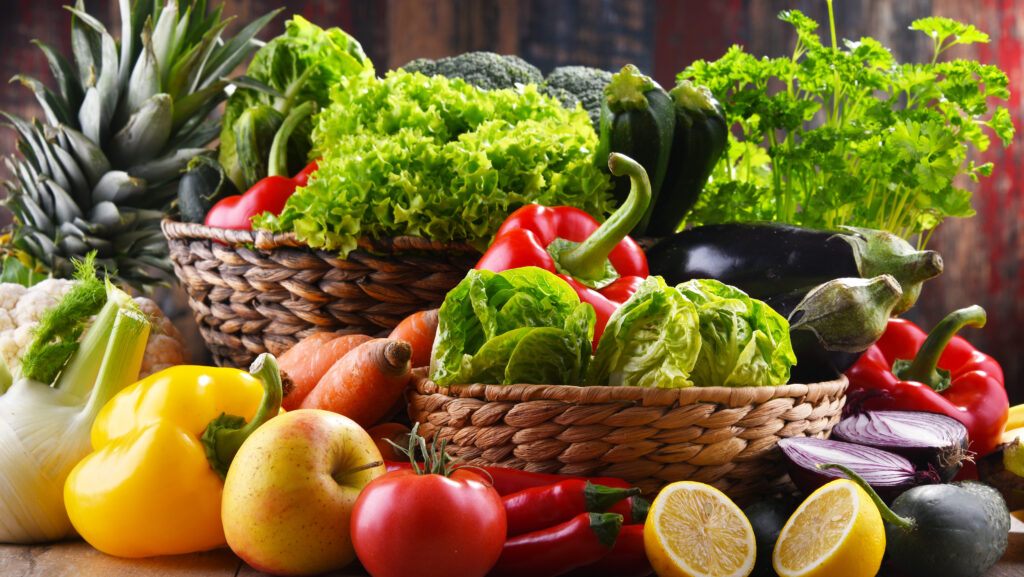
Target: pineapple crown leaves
<point>122,121</point>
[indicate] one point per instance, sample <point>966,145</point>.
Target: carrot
<point>365,383</point>
<point>309,359</point>
<point>418,329</point>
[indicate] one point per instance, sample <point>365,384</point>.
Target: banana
<point>1016,419</point>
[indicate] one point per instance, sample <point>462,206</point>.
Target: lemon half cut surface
<point>836,532</point>
<point>695,530</point>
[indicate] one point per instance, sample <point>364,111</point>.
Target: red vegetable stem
<point>924,367</point>
<point>508,481</point>
<point>628,558</point>
<point>587,259</point>
<point>583,540</point>
<point>542,507</point>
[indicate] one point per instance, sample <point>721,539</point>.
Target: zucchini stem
<point>279,147</point>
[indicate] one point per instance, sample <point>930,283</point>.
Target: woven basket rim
<point>727,396</point>
<point>266,240</point>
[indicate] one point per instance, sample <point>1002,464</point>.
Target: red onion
<point>889,473</point>
<point>928,440</point>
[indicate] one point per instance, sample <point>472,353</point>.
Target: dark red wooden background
<point>982,254</point>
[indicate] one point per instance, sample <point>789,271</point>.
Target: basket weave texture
<point>253,291</point>
<point>723,436</point>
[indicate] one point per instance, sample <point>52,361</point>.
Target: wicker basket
<point>253,291</point>
<point>724,436</point>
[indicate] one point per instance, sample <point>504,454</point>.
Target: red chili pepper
<point>582,540</point>
<point>947,376</point>
<point>628,558</point>
<point>600,262</point>
<point>507,481</point>
<point>271,193</point>
<point>542,507</point>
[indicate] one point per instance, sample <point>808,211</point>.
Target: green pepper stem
<point>924,367</point>
<point>279,147</point>
<point>586,260</point>
<point>222,441</point>
<point>890,516</point>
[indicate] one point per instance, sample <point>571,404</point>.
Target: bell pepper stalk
<point>271,193</point>
<point>153,484</point>
<point>940,372</point>
<point>600,262</point>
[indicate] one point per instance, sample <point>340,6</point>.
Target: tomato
<point>396,432</point>
<point>428,525</point>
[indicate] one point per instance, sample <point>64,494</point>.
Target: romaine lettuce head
<point>298,66</point>
<point>523,325</point>
<point>652,340</point>
<point>744,341</point>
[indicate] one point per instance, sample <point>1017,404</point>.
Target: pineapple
<point>102,170</point>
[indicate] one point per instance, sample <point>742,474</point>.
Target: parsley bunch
<point>849,136</point>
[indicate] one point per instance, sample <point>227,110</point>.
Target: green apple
<point>290,490</point>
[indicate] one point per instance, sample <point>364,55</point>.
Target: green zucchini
<point>701,136</point>
<point>637,120</point>
<point>203,184</point>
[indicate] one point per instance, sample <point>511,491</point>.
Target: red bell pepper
<point>271,193</point>
<point>947,376</point>
<point>600,262</point>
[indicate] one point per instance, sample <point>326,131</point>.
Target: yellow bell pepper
<point>162,446</point>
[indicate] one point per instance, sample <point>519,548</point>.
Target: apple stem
<point>358,469</point>
<point>225,434</point>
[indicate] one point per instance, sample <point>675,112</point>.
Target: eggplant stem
<point>924,367</point>
<point>904,523</point>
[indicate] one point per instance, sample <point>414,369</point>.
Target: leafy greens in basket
<point>524,325</point>
<point>412,155</point>
<point>527,325</point>
<point>848,136</point>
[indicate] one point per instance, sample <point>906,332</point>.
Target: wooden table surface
<point>77,559</point>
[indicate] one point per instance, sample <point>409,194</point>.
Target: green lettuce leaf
<point>743,341</point>
<point>652,340</point>
<point>436,158</point>
<point>523,325</point>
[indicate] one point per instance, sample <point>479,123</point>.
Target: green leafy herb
<point>834,136</point>
<point>743,341</point>
<point>437,158</point>
<point>522,325</point>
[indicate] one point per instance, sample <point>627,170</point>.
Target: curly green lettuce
<point>437,158</point>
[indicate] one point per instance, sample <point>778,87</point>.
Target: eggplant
<point>770,259</point>
<point>832,324</point>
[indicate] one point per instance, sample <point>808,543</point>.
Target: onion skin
<point>888,473</point>
<point>937,442</point>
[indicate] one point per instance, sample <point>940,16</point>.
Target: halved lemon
<point>694,530</point>
<point>836,532</point>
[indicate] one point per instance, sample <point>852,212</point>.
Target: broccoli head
<point>578,84</point>
<point>485,70</point>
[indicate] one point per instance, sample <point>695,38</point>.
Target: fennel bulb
<point>45,427</point>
